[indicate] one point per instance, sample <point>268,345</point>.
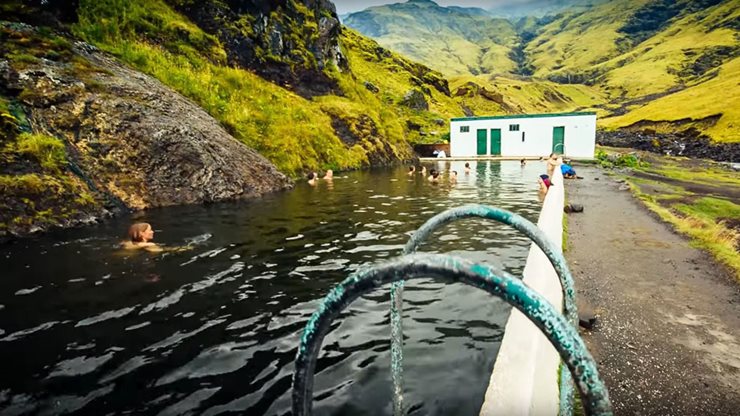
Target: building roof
<point>511,116</point>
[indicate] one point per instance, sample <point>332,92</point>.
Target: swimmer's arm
<point>175,249</point>
<point>153,248</point>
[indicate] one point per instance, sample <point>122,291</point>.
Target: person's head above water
<point>311,176</point>
<point>141,232</point>
<point>329,174</point>
<point>467,165</point>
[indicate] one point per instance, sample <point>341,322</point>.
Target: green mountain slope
<point>632,56</point>
<point>451,40</point>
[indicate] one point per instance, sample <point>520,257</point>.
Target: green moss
<point>48,151</point>
<point>31,184</point>
<point>712,209</point>
<point>8,122</point>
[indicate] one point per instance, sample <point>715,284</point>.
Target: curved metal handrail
<point>553,253</point>
<point>556,328</point>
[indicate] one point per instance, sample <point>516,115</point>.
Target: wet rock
<point>287,42</point>
<point>573,208</point>
<point>687,143</point>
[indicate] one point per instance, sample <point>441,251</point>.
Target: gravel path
<point>667,341</point>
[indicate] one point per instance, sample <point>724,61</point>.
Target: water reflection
<point>86,328</point>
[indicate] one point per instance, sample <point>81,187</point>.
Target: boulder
<point>416,100</point>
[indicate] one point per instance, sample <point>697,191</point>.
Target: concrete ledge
<point>449,158</point>
<point>524,380</point>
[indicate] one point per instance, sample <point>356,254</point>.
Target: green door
<point>482,145</point>
<point>496,142</point>
<point>558,140</point>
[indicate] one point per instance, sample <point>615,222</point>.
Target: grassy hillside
<point>393,76</point>
<point>340,131</point>
<point>575,41</point>
<point>718,97</point>
<point>446,39</point>
<point>499,94</point>
<point>633,47</point>
<point>663,64</point>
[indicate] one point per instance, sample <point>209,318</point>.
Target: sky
<point>349,6</point>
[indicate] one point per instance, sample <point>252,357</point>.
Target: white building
<point>527,135</point>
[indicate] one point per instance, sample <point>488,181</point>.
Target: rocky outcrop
<point>133,141</point>
<point>286,41</point>
<point>415,100</point>
<point>687,144</point>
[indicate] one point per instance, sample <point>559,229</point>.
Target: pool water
<point>86,328</point>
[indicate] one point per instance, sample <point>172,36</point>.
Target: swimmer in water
<point>433,176</point>
<point>467,168</point>
<point>140,236</point>
<point>312,178</point>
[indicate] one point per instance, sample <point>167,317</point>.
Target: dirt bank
<point>668,336</point>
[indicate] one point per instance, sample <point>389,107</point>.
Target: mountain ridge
<point>632,52</point>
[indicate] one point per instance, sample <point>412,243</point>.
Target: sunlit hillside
<point>575,41</point>
<point>499,94</point>
<point>712,107</point>
<point>638,61</point>
<point>339,131</point>
<point>450,40</point>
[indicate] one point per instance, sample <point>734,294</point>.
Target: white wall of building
<point>580,135</point>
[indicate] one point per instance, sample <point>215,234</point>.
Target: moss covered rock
<point>129,142</point>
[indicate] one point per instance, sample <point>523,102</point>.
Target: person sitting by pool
<point>467,168</point>
<point>568,171</point>
<point>453,176</point>
<point>312,178</point>
<point>412,169</point>
<point>433,176</point>
<point>544,182</point>
<point>329,175</point>
<point>141,235</point>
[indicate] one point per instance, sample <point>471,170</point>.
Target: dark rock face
<point>416,100</point>
<point>287,42</point>
<point>687,144</point>
<point>134,141</point>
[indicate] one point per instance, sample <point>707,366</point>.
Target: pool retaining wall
<point>524,380</point>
